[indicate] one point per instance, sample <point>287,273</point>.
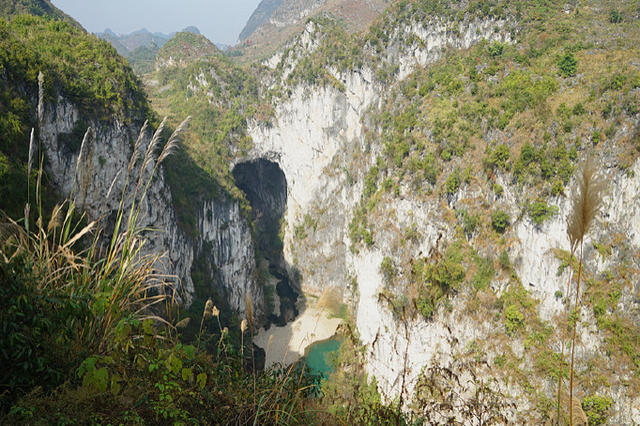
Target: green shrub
<point>498,189</point>
<point>33,322</point>
<point>371,182</point>
<point>359,229</point>
<point>557,188</point>
<point>469,222</point>
<point>539,211</point>
<point>499,221</point>
<point>514,319</point>
<point>568,65</point>
<point>504,260</point>
<point>388,270</point>
<point>579,109</point>
<point>596,408</point>
<point>495,49</point>
<point>482,279</point>
<point>497,158</point>
<point>615,17</point>
<point>452,184</point>
<point>437,280</point>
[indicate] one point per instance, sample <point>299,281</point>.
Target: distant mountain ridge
<point>141,47</point>
<point>274,22</point>
<point>261,15</point>
<point>127,43</point>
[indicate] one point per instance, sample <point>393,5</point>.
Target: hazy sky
<point>219,20</point>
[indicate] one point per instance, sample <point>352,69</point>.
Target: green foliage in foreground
<point>79,345</point>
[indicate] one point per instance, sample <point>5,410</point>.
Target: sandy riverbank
<point>289,342</point>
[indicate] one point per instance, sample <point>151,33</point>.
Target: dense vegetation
<point>80,342</point>
<point>143,59</point>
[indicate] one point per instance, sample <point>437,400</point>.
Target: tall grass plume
<point>586,202</point>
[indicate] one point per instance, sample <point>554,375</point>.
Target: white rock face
<point>222,226</point>
<point>98,188</point>
<point>296,12</point>
<point>312,133</point>
<point>432,37</point>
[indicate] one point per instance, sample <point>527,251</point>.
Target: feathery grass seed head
<point>586,201</point>
<point>172,146</point>
<point>136,148</point>
<point>153,145</point>
<point>40,96</point>
<point>208,309</point>
<point>56,218</point>
<point>32,150</point>
<point>183,323</point>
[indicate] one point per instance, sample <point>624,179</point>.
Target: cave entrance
<point>265,187</point>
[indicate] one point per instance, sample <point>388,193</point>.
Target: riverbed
<point>288,343</point>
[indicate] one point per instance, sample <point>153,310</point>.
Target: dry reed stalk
<point>172,146</point>
<point>113,182</point>
<point>268,345</point>
<point>243,328</point>
<point>208,309</point>
<point>32,150</point>
<point>586,202</point>
<point>153,146</point>
<point>40,97</point>
<point>136,148</point>
<point>249,306</point>
<point>86,137</point>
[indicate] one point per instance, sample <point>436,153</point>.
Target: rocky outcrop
<point>95,176</point>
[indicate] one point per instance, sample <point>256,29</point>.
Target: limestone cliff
<point>101,181</point>
<point>321,138</point>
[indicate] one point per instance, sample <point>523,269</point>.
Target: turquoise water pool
<point>316,355</point>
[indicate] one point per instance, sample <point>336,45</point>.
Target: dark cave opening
<point>265,187</point>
